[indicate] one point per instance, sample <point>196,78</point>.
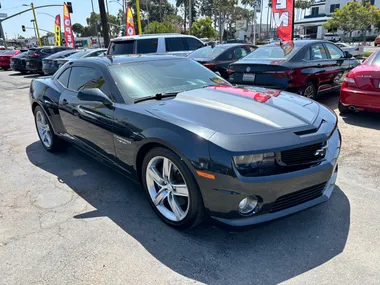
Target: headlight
<point>254,163</point>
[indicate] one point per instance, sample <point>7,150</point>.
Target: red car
<point>361,87</point>
<point>5,58</point>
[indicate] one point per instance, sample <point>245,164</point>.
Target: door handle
<point>64,102</point>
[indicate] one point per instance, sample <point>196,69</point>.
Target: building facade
<point>312,22</point>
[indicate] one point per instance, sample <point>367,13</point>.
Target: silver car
<point>356,51</point>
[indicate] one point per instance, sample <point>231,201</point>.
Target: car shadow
<point>329,99</point>
<point>16,73</point>
<point>363,119</point>
<point>267,254</point>
<point>31,76</point>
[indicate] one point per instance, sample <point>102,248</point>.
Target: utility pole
<point>254,23</point>
<point>104,22</point>
<point>96,25</point>
<point>190,16</point>
<point>138,16</point>
<point>35,22</point>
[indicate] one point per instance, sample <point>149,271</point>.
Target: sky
<point>81,9</point>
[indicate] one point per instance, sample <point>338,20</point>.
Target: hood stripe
<point>225,108</point>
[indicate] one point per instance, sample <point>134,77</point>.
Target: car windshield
<point>79,54</point>
<point>148,78</point>
<point>373,60</point>
<point>207,52</point>
<point>273,52</point>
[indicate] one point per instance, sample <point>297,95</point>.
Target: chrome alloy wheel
<point>43,129</point>
<point>167,188</point>
<point>309,92</point>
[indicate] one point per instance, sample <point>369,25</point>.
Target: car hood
<point>235,111</point>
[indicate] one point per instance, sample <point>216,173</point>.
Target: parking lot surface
<point>67,219</point>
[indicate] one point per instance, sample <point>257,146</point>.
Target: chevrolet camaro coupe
<point>199,146</point>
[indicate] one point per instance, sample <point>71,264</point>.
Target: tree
<point>156,27</point>
<point>78,29</point>
<point>202,28</point>
<point>353,17</point>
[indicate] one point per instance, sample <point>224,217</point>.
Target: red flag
<point>283,11</point>
<point>69,37</point>
<point>130,27</point>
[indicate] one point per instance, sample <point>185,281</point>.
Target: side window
<point>122,47</point>
<point>64,77</point>
<point>147,46</point>
<point>307,54</point>
<point>175,44</point>
<point>334,51</point>
<point>193,44</point>
<point>85,78</point>
<point>318,52</point>
<point>226,55</point>
<point>239,53</point>
<point>47,50</point>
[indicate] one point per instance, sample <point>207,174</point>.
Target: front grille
<point>298,197</point>
<point>302,155</point>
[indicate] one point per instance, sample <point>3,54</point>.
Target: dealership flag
<point>69,37</point>
<point>283,11</point>
<point>57,30</point>
<point>130,28</point>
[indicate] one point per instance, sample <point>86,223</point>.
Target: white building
<point>319,13</point>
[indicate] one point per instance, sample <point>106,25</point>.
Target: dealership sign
<point>283,11</point>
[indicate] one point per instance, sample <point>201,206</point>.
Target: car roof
<point>150,36</point>
<point>122,59</point>
<point>301,43</point>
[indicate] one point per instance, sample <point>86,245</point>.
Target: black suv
<point>34,60</point>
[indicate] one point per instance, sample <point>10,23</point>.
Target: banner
<point>69,37</point>
<point>57,30</point>
<point>130,27</point>
<point>283,11</point>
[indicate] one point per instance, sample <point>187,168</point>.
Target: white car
<point>356,51</point>
<point>174,44</point>
<point>332,37</point>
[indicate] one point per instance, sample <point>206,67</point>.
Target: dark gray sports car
<point>198,145</point>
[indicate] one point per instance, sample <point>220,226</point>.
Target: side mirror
<point>96,95</point>
<point>347,54</point>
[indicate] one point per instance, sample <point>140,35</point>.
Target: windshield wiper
<point>158,96</point>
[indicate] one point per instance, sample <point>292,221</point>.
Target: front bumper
<point>222,196</point>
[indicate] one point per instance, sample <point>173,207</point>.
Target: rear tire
<point>45,132</point>
<point>343,109</point>
<point>310,91</point>
<point>164,194</point>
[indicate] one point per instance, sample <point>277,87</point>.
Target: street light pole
<point>35,22</point>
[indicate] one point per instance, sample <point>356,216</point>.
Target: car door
<point>320,63</point>
<point>341,64</point>
<point>90,124</point>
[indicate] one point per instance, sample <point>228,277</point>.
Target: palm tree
<point>179,3</point>
<point>270,23</point>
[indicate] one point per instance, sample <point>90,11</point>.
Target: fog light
<point>248,205</point>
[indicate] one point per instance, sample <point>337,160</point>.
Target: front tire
<point>45,132</point>
<point>171,188</point>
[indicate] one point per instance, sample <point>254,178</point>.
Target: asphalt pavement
<point>67,219</point>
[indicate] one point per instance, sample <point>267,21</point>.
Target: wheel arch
<point>35,104</point>
<point>178,144</point>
